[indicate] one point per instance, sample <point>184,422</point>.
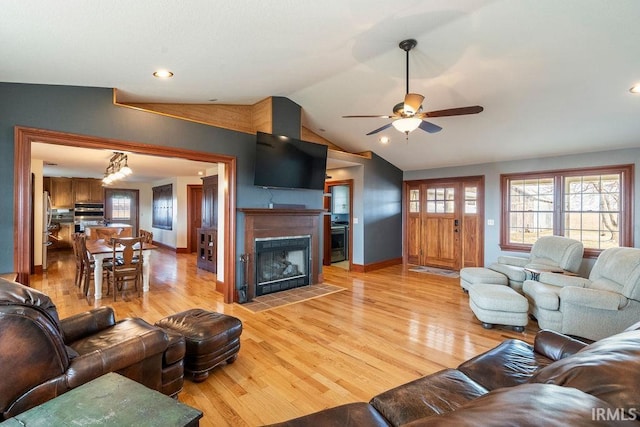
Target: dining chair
<point>147,236</point>
<point>126,267</point>
<point>107,233</point>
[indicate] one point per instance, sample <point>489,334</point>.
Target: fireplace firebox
<point>281,263</point>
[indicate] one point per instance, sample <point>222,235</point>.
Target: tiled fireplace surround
<point>265,223</point>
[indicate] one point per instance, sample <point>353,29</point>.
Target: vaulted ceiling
<point>553,76</point>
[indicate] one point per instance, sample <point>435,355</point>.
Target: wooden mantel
<point>264,223</point>
<point>280,211</point>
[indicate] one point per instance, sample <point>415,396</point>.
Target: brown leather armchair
<point>42,356</point>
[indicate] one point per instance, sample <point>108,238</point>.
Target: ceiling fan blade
<point>455,111</point>
<point>388,125</point>
<point>429,127</point>
<point>412,103</point>
<point>371,117</point>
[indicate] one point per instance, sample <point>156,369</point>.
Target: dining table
<point>100,249</point>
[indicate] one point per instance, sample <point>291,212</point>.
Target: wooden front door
<point>444,223</point>
<point>441,225</point>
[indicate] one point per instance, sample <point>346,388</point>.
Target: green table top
<point>109,400</point>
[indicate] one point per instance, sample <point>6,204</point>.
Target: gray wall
<point>492,171</point>
<point>382,211</point>
<point>90,111</point>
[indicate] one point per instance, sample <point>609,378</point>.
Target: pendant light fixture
<point>118,168</point>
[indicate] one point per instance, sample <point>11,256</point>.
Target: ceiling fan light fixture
<point>407,125</point>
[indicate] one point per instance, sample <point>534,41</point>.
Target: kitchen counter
<point>95,232</point>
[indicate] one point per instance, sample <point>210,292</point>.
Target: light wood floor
<point>389,327</point>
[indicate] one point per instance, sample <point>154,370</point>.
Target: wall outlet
<point>491,222</point>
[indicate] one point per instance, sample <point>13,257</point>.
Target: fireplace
<point>281,263</point>
<point>281,250</point>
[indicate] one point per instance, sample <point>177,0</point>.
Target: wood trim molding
<point>365,268</point>
<point>23,137</point>
<point>21,201</point>
<point>627,172</point>
<point>241,118</point>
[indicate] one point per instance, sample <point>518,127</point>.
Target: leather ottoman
<point>211,339</point>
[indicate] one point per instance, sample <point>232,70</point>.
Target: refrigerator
<point>47,214</point>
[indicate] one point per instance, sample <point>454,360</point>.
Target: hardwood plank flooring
<point>388,327</point>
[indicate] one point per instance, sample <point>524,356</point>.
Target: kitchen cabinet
<point>65,192</point>
<point>340,199</point>
<point>88,190</point>
<point>61,192</point>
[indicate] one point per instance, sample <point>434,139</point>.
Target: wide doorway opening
<point>23,214</point>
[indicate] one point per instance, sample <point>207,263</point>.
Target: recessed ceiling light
<point>163,74</point>
<point>635,88</point>
<point>384,139</point>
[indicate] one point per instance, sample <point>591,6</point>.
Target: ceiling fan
<point>408,115</point>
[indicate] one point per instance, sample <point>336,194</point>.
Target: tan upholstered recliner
<point>547,253</point>
<point>602,305</point>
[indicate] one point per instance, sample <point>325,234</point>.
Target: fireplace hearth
<point>281,263</point>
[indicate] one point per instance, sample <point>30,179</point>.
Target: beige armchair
<point>547,253</point>
<point>602,305</point>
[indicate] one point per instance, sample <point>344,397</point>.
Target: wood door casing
<point>194,214</point>
<point>435,238</point>
<point>326,222</point>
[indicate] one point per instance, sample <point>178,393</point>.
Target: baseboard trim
<point>360,268</point>
<point>171,248</point>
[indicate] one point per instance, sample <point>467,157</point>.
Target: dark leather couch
<point>558,381</point>
<point>42,356</point>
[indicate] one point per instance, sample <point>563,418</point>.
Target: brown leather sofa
<point>42,356</point>
<point>558,381</point>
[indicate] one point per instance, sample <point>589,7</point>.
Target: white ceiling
<point>552,75</point>
<point>79,162</point>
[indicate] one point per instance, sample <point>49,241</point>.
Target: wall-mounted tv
<point>284,162</point>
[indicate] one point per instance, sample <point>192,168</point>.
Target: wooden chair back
<point>147,236</point>
<point>127,263</point>
<point>107,233</point>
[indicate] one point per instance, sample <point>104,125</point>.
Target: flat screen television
<point>284,162</point>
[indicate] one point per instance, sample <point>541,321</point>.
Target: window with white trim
<point>120,208</point>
